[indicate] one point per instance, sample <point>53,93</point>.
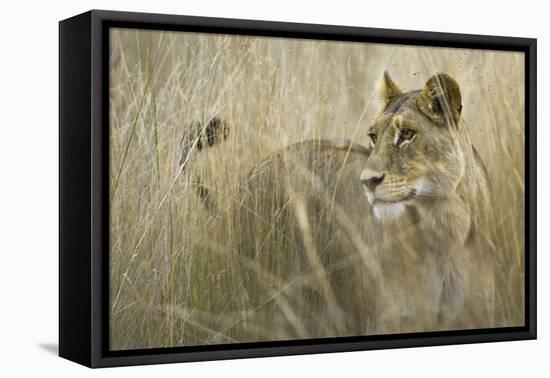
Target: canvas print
<point>265,189</point>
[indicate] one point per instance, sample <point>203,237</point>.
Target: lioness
<point>341,239</point>
<point>424,178</point>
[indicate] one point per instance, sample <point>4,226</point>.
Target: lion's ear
<point>386,89</point>
<point>440,100</point>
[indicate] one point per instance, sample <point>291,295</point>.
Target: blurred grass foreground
<point>178,273</point>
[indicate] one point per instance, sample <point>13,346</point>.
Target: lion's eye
<point>372,137</point>
<point>405,136</point>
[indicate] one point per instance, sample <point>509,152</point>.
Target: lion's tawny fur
<point>413,253</point>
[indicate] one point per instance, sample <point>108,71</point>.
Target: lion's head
<point>416,152</point>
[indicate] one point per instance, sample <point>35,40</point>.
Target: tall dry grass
<point>176,273</point>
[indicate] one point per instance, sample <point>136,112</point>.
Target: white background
<point>29,186</point>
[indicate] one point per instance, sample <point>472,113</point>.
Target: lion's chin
<point>388,211</point>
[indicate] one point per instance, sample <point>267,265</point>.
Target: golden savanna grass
<point>176,277</point>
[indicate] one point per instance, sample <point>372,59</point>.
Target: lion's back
<point>304,218</point>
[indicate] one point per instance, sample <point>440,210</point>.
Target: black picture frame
<point>83,195</point>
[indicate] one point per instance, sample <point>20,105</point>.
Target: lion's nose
<point>371,179</point>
